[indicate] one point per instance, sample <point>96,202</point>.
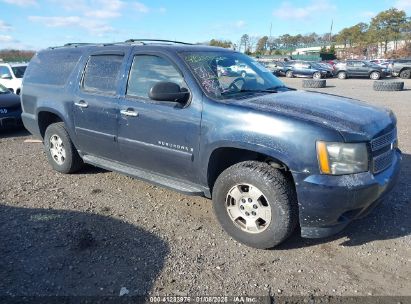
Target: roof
<point>13,64</point>
<point>146,43</point>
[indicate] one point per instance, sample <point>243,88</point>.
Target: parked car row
<point>373,69</point>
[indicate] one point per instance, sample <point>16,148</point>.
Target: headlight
<point>341,158</point>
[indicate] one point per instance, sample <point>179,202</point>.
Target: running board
<point>153,178</point>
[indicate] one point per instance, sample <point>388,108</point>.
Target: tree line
<point>391,25</point>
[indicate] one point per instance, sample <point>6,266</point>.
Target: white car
<point>11,75</point>
<point>242,69</point>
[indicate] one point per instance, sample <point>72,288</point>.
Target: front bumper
<point>11,120</point>
<point>327,204</point>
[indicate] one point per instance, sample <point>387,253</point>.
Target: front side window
<point>102,73</point>
<point>147,70</point>
<point>224,74</point>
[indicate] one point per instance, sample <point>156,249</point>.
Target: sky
<point>37,24</point>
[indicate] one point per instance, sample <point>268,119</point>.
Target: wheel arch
<point>46,117</point>
<point>222,158</point>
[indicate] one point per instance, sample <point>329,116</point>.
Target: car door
<point>95,106</point>
<point>362,69</point>
<point>162,137</point>
<point>351,68</point>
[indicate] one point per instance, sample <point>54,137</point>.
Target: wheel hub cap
<point>57,150</point>
<point>248,208</point>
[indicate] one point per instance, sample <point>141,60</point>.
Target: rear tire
<point>289,74</point>
<point>61,153</point>
<point>256,204</point>
<point>405,74</point>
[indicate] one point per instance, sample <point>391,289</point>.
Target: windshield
<point>4,90</point>
<point>227,74</point>
<point>19,71</point>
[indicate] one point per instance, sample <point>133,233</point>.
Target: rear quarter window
<point>52,67</point>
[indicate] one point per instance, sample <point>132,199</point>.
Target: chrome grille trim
<point>384,140</point>
<point>383,161</point>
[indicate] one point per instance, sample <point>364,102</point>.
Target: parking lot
<point>95,232</point>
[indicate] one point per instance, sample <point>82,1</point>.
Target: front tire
<point>342,75</point>
<point>289,74</point>
<point>256,204</point>
<point>375,75</point>
<point>317,75</point>
<point>60,151</point>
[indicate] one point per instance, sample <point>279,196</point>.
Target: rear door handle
<point>81,104</point>
<point>129,112</point>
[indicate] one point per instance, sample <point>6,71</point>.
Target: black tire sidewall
<point>69,164</point>
<point>279,228</point>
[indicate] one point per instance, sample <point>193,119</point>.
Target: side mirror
<point>5,76</point>
<point>168,91</point>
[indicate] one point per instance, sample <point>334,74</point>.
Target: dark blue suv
<point>269,156</point>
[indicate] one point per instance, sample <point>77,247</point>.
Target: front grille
<point>384,140</point>
<point>383,151</point>
<point>383,161</point>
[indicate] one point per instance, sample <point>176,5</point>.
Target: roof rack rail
<point>156,40</point>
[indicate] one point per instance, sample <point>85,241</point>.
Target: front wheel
<point>375,75</point>
<point>342,75</point>
<point>289,74</point>
<point>255,204</point>
<point>61,153</point>
<point>317,75</point>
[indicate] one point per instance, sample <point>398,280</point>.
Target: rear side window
<point>52,67</point>
<point>147,70</point>
<point>102,73</point>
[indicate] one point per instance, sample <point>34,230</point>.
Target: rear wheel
<point>289,74</point>
<point>255,204</point>
<point>61,153</point>
<point>342,75</point>
<point>375,75</point>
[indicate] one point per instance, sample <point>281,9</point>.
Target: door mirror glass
<point>168,91</point>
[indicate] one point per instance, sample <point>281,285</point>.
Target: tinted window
<point>102,73</point>
<point>147,70</point>
<point>52,66</point>
<point>19,71</point>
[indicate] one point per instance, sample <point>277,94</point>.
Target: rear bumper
<point>327,204</point>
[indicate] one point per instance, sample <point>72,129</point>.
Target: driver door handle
<point>81,104</point>
<point>129,112</point>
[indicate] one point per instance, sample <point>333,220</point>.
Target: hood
<point>9,100</point>
<point>355,120</point>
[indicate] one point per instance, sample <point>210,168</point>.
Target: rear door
<point>96,105</point>
<point>162,137</point>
